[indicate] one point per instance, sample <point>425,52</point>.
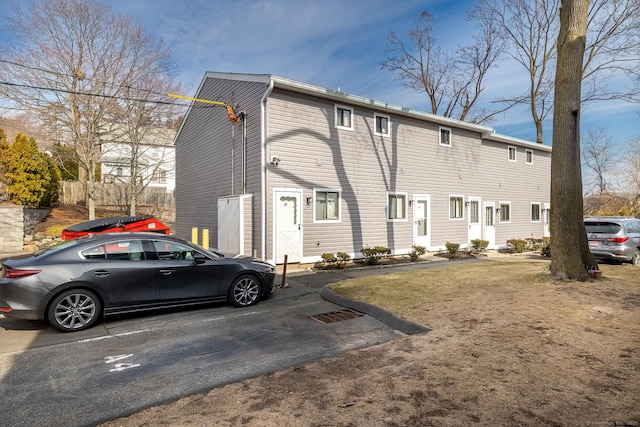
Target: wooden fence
<point>151,201</point>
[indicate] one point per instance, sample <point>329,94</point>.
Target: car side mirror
<point>199,258</point>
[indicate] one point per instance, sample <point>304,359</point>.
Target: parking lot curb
<point>376,312</point>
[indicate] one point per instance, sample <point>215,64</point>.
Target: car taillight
<point>16,274</point>
<point>617,239</point>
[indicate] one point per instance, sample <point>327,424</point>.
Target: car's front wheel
<point>244,291</point>
<point>636,258</point>
<point>74,310</point>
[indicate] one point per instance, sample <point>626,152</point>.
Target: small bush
<point>517,245</point>
<point>452,249</point>
<point>338,260</point>
<point>343,259</point>
<point>545,250</point>
<point>373,255</point>
<point>534,244</point>
<point>478,245</point>
<point>416,252</point>
<point>329,260</point>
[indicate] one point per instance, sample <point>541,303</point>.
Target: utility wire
<point>43,70</point>
<point>123,98</point>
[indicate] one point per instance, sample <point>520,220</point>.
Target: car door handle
<point>102,273</point>
<point>167,272</point>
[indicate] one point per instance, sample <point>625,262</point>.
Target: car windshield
<point>602,227</point>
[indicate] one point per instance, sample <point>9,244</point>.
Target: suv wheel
<point>636,258</point>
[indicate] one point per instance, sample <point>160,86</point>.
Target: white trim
<point>499,219</point>
<point>375,124</point>
<point>440,129</point>
<point>406,206</point>
<point>539,212</point>
<point>263,156</point>
<point>515,153</point>
<point>313,204</point>
<point>335,117</point>
<point>427,198</point>
<point>526,156</point>
<point>274,227</point>
<point>461,196</point>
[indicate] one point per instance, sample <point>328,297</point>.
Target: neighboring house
<point>312,170</point>
<point>155,159</point>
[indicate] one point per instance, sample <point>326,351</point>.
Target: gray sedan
<point>73,284</point>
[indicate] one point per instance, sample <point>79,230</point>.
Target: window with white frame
<point>327,205</point>
<point>512,153</point>
<point>381,124</point>
<point>396,206</point>
<point>455,207</point>
<point>505,211</point>
<point>344,117</point>
<point>528,156</point>
<point>535,212</point>
<point>445,137</point>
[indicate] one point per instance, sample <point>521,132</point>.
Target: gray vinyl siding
<point>204,158</point>
<point>314,154</point>
<point>299,126</point>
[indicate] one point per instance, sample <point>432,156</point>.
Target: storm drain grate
<point>337,316</point>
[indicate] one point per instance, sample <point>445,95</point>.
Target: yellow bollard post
<point>205,238</point>
<point>194,235</point>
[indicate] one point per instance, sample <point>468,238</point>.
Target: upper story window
<point>382,124</point>
<point>344,117</point>
<point>327,205</point>
<point>397,206</point>
<point>528,156</point>
<point>455,207</point>
<point>445,137</point>
<point>512,153</point>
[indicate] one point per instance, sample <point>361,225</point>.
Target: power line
<point>122,98</point>
<point>57,73</point>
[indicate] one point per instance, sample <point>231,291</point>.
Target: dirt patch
<point>538,354</point>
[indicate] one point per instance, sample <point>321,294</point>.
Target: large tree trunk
<point>570,255</point>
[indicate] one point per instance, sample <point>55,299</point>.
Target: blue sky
<point>332,43</point>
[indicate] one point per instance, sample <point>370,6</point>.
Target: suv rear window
<point>602,227</point>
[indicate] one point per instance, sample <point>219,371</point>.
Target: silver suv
<point>614,238</point>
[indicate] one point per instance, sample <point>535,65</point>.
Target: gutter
<point>263,151</point>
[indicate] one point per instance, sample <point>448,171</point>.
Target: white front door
<point>421,221</point>
<point>547,220</point>
<point>473,213</point>
<point>288,230</point>
<point>489,224</point>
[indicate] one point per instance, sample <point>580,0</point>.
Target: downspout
<point>263,154</point>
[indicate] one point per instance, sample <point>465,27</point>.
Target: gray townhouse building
<point>306,170</point>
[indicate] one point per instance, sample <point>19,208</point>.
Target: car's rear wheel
<point>244,291</point>
<point>74,310</point>
<point>636,258</point>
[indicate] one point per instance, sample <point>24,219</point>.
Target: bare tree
<point>453,82</point>
<point>631,179</point>
<point>612,50</point>
<point>570,254</point>
<point>599,155</point>
<point>531,26</point>
<point>71,61</point>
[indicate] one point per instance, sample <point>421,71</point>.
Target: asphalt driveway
<point>127,364</point>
